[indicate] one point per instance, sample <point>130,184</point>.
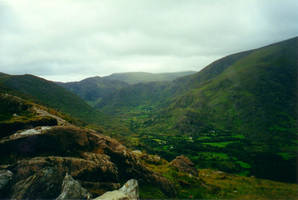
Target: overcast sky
<point>67,40</point>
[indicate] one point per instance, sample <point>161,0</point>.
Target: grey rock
<point>129,191</point>
<point>72,189</point>
<point>114,195</point>
<point>5,181</point>
<point>44,184</point>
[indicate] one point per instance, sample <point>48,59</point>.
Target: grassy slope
<point>211,184</point>
<point>49,94</point>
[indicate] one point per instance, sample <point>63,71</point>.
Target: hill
<point>48,94</point>
<point>93,89</point>
<point>238,114</point>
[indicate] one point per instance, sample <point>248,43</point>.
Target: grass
<point>213,156</point>
<point>219,144</point>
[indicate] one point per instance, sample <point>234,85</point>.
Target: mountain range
<point>243,101</point>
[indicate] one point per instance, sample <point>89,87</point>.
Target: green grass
<point>213,156</point>
<point>218,144</point>
<point>287,156</point>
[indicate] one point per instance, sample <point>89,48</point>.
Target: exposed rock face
<point>44,184</point>
<point>5,181</point>
<point>184,164</point>
<point>129,191</point>
<point>39,163</point>
<point>71,189</point>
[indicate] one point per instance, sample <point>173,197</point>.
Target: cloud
<point>74,39</point>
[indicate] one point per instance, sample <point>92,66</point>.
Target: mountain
<point>93,89</point>
<point>48,94</point>
<point>54,159</point>
<point>145,77</point>
<point>238,114</point>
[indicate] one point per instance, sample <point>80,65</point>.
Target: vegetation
<point>212,184</point>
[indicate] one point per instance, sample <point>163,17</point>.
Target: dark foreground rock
<point>43,184</point>
<point>99,163</point>
<point>5,182</point>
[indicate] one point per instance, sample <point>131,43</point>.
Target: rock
<point>71,189</point>
<point>184,164</point>
<point>5,181</point>
<point>99,188</point>
<point>129,191</point>
<point>45,184</point>
<point>87,156</point>
<point>114,195</point>
<point>82,169</point>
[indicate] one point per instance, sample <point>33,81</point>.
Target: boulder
<point>129,191</point>
<point>45,184</point>
<point>5,181</point>
<point>71,189</point>
<point>184,164</point>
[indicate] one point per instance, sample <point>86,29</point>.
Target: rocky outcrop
<point>99,163</point>
<point>184,164</point>
<point>5,181</point>
<point>129,191</point>
<point>71,189</point>
<point>44,184</point>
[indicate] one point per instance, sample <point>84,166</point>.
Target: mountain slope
<point>238,114</point>
<point>49,94</point>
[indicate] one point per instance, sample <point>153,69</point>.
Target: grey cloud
<point>67,40</point>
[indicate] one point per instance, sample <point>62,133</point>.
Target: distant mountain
<point>93,89</point>
<point>145,77</point>
<point>237,114</point>
<point>48,94</point>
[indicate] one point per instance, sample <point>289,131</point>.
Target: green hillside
<point>48,94</point>
<point>238,114</point>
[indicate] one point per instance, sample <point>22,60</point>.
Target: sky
<point>68,40</point>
